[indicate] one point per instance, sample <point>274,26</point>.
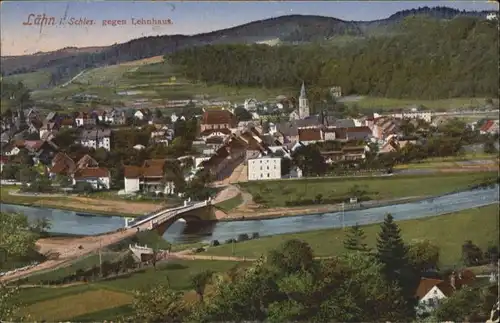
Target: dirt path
<point>227,193</point>
<point>189,256</point>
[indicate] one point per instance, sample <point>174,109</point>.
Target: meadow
<point>380,103</point>
<point>276,193</point>
<point>105,300</point>
<point>447,231</point>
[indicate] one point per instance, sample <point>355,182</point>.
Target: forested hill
<point>426,59</point>
<point>286,29</point>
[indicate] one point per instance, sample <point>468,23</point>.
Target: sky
<point>187,18</point>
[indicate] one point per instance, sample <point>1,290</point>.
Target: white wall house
<point>431,300</point>
<point>423,115</point>
<point>264,168</point>
<point>96,139</point>
<point>98,177</point>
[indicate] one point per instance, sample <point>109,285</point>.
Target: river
<point>179,232</point>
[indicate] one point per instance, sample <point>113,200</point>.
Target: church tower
<point>303,103</point>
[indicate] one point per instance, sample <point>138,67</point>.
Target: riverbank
<point>447,231</point>
<point>95,206</point>
<point>276,213</point>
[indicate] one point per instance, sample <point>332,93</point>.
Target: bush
<point>243,237</point>
<point>230,241</point>
<point>255,235</point>
<point>214,243</point>
<point>198,250</point>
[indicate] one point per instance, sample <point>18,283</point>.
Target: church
<point>303,111</point>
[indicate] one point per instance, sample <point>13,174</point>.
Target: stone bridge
<point>161,219</point>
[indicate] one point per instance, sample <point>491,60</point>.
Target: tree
<point>423,255</point>
<point>489,147</point>
<point>10,171</point>
<point>294,255</point>
<point>28,175</point>
<point>64,181</point>
<point>20,239</point>
<point>242,114</point>
<point>24,158</point>
<point>355,238</point>
<point>392,253</point>
<point>286,166</point>
<point>200,281</point>
<point>159,304</point>
<point>309,160</point>
<point>471,254</point>
<point>66,137</point>
<point>9,304</point>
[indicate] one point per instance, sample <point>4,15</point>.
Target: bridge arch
<point>200,215</point>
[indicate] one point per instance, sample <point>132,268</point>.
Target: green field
<point>444,104</point>
<point>106,300</point>
<point>32,81</point>
<point>231,203</point>
<point>277,193</point>
<point>447,231</point>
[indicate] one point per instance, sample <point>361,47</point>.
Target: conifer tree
<point>393,254</point>
<point>391,250</point>
<point>355,239</point>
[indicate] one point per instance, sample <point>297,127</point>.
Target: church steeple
<point>303,91</point>
<point>303,103</point>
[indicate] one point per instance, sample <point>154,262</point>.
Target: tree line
<point>424,58</point>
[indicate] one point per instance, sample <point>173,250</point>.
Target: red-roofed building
<point>218,119</point>
<point>310,135</point>
<point>98,177</point>
<point>147,178</point>
<point>489,127</point>
<point>431,292</point>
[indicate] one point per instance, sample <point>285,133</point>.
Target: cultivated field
<point>444,104</point>
<point>447,231</point>
<point>277,193</point>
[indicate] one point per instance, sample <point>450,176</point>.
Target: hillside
<point>424,59</point>
<point>66,63</point>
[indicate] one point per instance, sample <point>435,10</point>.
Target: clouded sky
<point>187,18</point>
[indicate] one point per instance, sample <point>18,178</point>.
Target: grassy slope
<point>231,203</point>
<point>388,103</point>
<point>33,80</point>
<point>277,193</point>
<point>448,231</point>
<point>114,295</point>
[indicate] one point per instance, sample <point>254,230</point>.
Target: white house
<point>99,138</point>
<point>250,104</point>
<point>98,177</point>
<point>431,292</point>
<point>264,168</point>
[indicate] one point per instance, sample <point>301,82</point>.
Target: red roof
<point>359,129</point>
<point>150,168</point>
<point>218,117</point>
<point>487,125</point>
<point>426,284</point>
<point>92,172</point>
<point>309,134</point>
<point>62,164</point>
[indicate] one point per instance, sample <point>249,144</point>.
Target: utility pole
<point>232,245</point>
<point>100,256</point>
<point>343,225</point>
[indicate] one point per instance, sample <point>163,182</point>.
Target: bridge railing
<point>164,214</point>
<point>164,217</point>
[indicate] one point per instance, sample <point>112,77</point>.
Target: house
<point>264,168</point>
<point>489,127</point>
<point>250,104</point>
<point>346,154</point>
<point>310,135</point>
<point>210,133</point>
<point>62,165</point>
<point>358,133</point>
<point>84,119</point>
<point>40,150</point>
<point>115,117</point>
<point>218,119</point>
<point>97,138</point>
<point>431,292</point>
<point>97,177</point>
<point>4,160</point>
<point>148,178</point>
<point>142,114</point>
<point>226,158</point>
<point>86,162</point>
<point>383,127</point>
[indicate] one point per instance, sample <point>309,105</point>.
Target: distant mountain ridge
<point>67,62</point>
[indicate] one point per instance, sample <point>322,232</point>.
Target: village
<point>234,145</point>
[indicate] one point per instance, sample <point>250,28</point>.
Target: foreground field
<point>447,231</point>
<point>278,193</point>
<point>108,299</point>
